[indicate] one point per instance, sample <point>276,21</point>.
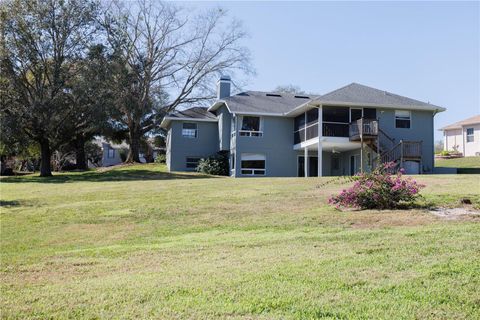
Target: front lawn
<point>138,242</point>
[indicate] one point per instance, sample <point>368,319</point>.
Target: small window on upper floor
<point>111,153</point>
<point>251,127</point>
<point>189,130</point>
<point>403,119</point>
<point>470,135</point>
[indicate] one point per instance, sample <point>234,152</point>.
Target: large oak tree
<point>41,41</point>
<point>167,57</point>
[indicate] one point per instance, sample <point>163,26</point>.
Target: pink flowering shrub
<point>379,190</point>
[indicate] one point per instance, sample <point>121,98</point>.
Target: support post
<point>320,147</point>
<point>361,145</point>
<point>401,154</point>
<point>305,162</point>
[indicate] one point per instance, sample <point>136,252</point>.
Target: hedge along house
<point>283,135</point>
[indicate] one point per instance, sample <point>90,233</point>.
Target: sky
<point>429,51</point>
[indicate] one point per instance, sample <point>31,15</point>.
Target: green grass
<point>138,242</point>
<point>466,162</point>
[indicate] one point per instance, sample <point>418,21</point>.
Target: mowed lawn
<point>140,243</point>
<point>465,162</point>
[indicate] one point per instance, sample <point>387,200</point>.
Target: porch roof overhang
<point>329,144</point>
<point>318,103</point>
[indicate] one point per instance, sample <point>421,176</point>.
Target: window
<point>111,153</point>
<point>189,130</point>
<point>253,164</point>
<point>192,162</point>
<point>232,160</point>
<point>250,127</point>
<point>402,119</point>
<point>470,135</point>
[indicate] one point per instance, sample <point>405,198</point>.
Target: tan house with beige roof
<point>463,136</point>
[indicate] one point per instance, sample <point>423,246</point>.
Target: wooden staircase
<point>387,149</point>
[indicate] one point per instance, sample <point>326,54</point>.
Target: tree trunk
<point>134,150</point>
<point>80,156</point>
<point>45,168</point>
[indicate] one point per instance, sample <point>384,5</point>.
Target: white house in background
<point>110,152</point>
<point>463,136</point>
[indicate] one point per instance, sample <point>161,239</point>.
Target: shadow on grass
<point>13,203</point>
<point>113,175</point>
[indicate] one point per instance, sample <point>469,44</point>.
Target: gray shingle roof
<point>360,94</point>
<point>283,104</point>
<point>193,113</point>
<point>265,102</point>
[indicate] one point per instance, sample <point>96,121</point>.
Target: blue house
<point>273,134</point>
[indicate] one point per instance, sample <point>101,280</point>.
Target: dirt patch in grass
<point>463,213</point>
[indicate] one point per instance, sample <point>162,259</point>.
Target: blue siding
<point>421,129</point>
<point>276,144</point>
<point>224,127</point>
<point>180,147</point>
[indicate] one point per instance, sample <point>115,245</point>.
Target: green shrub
<point>161,158</point>
<point>445,153</point>
<point>216,164</point>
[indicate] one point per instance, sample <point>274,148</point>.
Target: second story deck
<point>340,122</point>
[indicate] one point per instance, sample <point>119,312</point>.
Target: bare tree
<point>166,58</point>
<point>290,88</point>
<point>40,41</point>
<point>293,89</point>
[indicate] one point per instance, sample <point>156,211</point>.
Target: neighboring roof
<point>252,102</point>
<point>358,94</point>
<point>460,124</point>
<point>282,104</point>
<point>194,114</point>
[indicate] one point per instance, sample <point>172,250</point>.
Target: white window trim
<point>241,168</point>
<point>471,135</point>
<point>395,119</point>
<point>250,133</point>
<point>196,131</point>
